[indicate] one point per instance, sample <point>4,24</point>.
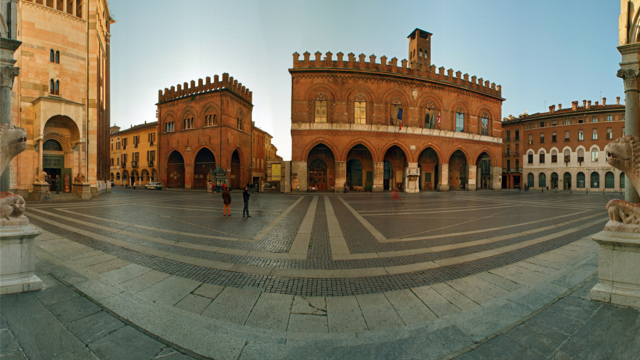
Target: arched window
<point>420,53</point>
<point>57,57</point>
<point>542,180</point>
<point>484,124</point>
<point>57,87</point>
<point>396,111</point>
<point>541,156</point>
<point>430,119</point>
<point>581,182</point>
<point>117,176</point>
<point>459,120</point>
<point>51,56</point>
<point>239,118</point>
<point>609,180</point>
<point>321,108</point>
<point>360,109</point>
<point>52,87</point>
<point>580,155</point>
<point>530,180</point>
<point>554,156</point>
<point>594,155</point>
<point>595,180</point>
<point>567,156</point>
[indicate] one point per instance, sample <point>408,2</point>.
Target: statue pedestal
<point>37,189</point>
<point>411,178</point>
<point>618,268</point>
<point>18,259</point>
<point>83,190</point>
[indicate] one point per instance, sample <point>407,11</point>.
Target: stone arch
<point>144,176</point>
<point>425,101</point>
<point>321,177</point>
<point>61,139</point>
<point>407,153</point>
<point>187,113</point>
<point>460,105</point>
<point>354,142</point>
<point>391,97</point>
<point>236,179</point>
<point>435,148</point>
<point>494,159</point>
<point>542,151</point>
<point>175,175</point>
<point>318,141</point>
<point>203,162</point>
<point>169,117</point>
<point>458,175</point>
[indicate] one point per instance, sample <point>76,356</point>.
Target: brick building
<point>261,152</point>
<point>133,154</point>
<point>371,123</point>
<point>564,148</point>
<point>63,92</point>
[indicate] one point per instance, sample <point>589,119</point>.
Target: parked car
<point>153,186</point>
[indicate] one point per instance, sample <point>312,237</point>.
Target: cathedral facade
<point>377,126</point>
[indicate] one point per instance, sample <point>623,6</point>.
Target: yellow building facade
<point>133,155</point>
<point>62,92</point>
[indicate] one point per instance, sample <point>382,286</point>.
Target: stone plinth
<point>37,189</point>
<point>618,268</point>
<point>411,178</point>
<point>18,259</point>
<point>83,190</point>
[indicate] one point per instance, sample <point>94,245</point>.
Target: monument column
<point>629,72</point>
<point>7,74</point>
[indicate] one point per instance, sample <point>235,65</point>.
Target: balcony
<point>516,153</point>
<point>150,143</point>
<point>150,164</point>
<point>134,164</point>
<point>124,165</point>
<point>135,145</point>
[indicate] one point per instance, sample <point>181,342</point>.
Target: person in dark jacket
<point>226,198</point>
<point>58,184</point>
<point>245,197</point>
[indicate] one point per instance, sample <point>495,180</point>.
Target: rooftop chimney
<point>589,104</point>
<point>552,108</point>
<point>617,100</point>
<point>597,103</point>
<point>604,101</point>
<point>574,105</point>
<point>559,106</point>
<point>584,103</point>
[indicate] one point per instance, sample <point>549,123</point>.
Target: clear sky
<point>542,52</point>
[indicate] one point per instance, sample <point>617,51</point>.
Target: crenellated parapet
<point>391,67</point>
<point>191,89</point>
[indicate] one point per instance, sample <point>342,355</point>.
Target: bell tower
<point>419,48</point>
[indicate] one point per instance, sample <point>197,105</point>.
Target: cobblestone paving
<point>122,205</point>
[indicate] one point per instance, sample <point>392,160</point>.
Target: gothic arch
<point>195,151</point>
<point>352,143</point>
<point>482,110</point>
<point>431,146</point>
<point>401,145</point>
<point>494,160</point>
<point>63,140</point>
<point>359,91</point>
<point>324,91</point>
<point>463,150</point>
<point>319,141</point>
<point>166,158</point>
<point>208,109</point>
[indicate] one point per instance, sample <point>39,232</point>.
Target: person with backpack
<point>245,198</point>
<point>226,198</point>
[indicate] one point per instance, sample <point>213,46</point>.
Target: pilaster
<point>341,175</point>
<point>378,176</point>
<point>496,177</point>
<point>443,177</point>
<point>472,177</point>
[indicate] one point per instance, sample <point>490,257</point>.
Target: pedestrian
<point>57,182</point>
<point>253,186</point>
<point>245,198</point>
<point>345,188</point>
<point>224,186</point>
<point>395,196</point>
<point>226,198</point>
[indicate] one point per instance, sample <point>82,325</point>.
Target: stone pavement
<point>153,277</point>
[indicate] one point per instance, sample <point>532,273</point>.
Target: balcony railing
<point>134,164</point>
<point>124,165</point>
<point>516,153</point>
<point>135,145</point>
<point>150,163</point>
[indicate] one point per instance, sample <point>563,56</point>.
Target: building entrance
<point>204,163</point>
<point>318,175</point>
<point>234,181</point>
<point>175,170</point>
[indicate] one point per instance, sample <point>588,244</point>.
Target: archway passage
<point>554,181</point>
<point>595,180</point>
<point>175,170</point>
<point>135,178</point>
<point>609,180</point>
<point>542,180</point>
<point>396,158</point>
<point>428,163</point>
<point>154,175</point>
<point>144,177</point>
<point>203,164</point>
<point>60,136</point>
<point>567,181</point>
<point>321,166</point>
<point>53,161</point>
<point>111,177</point>
<point>483,171</point>
<point>359,167</point>
<point>581,180</point>
<point>234,180</point>
<point>457,171</point>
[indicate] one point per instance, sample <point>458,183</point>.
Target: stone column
<point>472,177</point>
<point>411,178</point>
<point>188,176</point>
<point>443,177</point>
<point>378,176</point>
<point>341,175</point>
<point>7,74</point>
<point>478,179</point>
<point>496,177</point>
<point>629,72</point>
<point>299,173</point>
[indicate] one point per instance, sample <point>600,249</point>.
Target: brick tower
<point>419,48</point>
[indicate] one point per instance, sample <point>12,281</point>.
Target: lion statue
<point>40,178</point>
<point>624,154</point>
<point>13,141</point>
<point>79,179</point>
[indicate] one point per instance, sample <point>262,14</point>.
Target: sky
<point>542,52</point>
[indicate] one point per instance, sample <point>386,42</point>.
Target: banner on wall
<point>276,172</point>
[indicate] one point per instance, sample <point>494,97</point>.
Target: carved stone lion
<point>13,141</point>
<point>624,154</point>
<point>40,178</point>
<point>79,179</point>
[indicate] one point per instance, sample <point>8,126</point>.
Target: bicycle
<point>44,197</point>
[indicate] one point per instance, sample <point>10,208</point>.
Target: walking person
<point>245,198</point>
<point>226,198</point>
<point>395,196</point>
<point>57,182</point>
